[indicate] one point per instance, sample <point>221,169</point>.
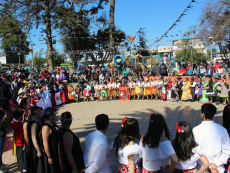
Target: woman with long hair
<point>125,145</point>
<point>187,150</point>
<point>226,124</point>
<point>156,148</point>
<point>198,91</point>
<point>50,138</point>
<point>205,87</point>
<point>34,145</point>
<point>71,155</point>
<point>224,91</point>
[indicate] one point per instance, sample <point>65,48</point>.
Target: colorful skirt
<point>109,93</point>
<point>132,91</point>
<point>182,171</point>
<point>117,92</point>
<point>147,91</point>
<point>103,92</point>
<point>186,95</point>
<point>142,91</point>
<point>174,95</point>
<point>97,93</point>
<point>113,92</point>
<point>146,171</point>
<point>154,90</point>
<point>125,168</point>
<point>137,90</point>
<point>85,93</point>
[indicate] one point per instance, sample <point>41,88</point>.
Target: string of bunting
<point>174,24</point>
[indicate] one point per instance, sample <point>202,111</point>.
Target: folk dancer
<point>97,89</point>
<point>210,93</point>
<point>109,90</point>
<point>224,91</point>
<point>159,84</point>
<point>146,87</point>
<point>186,95</point>
<point>164,89</point>
<point>138,89</point>
<point>174,94</point>
<point>180,85</point>
<point>133,86</point>
<point>87,92</point>
<point>198,91</point>
<point>205,87</point>
<point>117,88</point>
<point>169,89</point>
<point>193,86</point>
<point>114,91</point>
<point>217,89</point>
<point>103,90</point>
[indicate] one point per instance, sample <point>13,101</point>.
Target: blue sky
<point>156,16</point>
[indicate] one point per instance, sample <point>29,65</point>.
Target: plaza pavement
<point>84,119</point>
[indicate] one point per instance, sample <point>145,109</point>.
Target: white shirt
<point>214,140</point>
<point>113,85</point>
<point>155,158</point>
<point>192,162</point>
<point>97,154</point>
<point>127,151</point>
<point>193,84</point>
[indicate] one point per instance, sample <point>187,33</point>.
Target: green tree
<point>38,60</point>
<point>186,55</point>
<point>111,26</point>
<point>12,43</point>
<point>58,59</point>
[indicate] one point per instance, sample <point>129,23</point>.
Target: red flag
<point>124,93</point>
<point>58,98</point>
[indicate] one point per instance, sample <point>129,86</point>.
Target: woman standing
<point>50,138</point>
<point>174,91</point>
<point>103,91</point>
<point>71,93</point>
<point>137,89</point>
<point>198,91</point>
<point>204,88</point>
<point>97,89</point>
<point>33,98</point>
<point>87,92</point>
<point>187,94</point>
<point>210,93</point>
<point>33,130</point>
<point>156,149</point>
<point>125,145</point>
<point>71,155</point>
<point>62,76</point>
<point>12,103</point>
<point>132,90</point>
<point>224,91</point>
<point>187,150</point>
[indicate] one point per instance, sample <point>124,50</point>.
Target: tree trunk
<point>48,35</point>
<point>111,28</point>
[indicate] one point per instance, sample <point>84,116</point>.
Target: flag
<point>124,93</point>
<point>58,98</point>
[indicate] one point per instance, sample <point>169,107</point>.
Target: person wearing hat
<point>180,85</point>
<point>159,84</point>
<point>210,92</point>
<point>113,89</point>
<point>193,86</point>
<point>217,89</point>
<point>224,91</point>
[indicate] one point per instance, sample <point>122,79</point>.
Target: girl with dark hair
<point>125,145</point>
<point>156,148</point>
<point>226,124</point>
<point>187,150</point>
<point>50,138</point>
<point>71,155</point>
<point>34,147</point>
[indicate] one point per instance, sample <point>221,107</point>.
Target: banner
<point>124,93</point>
<point>58,98</point>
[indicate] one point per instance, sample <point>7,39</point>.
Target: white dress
<point>155,158</point>
<point>192,162</point>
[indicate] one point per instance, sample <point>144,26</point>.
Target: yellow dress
<point>137,89</point>
<point>187,94</point>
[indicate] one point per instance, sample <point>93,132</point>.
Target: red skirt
<point>85,93</point>
<point>125,168</point>
<point>182,171</point>
<point>146,171</point>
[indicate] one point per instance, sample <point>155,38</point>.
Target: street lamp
<point>191,58</point>
<point>32,56</point>
<point>19,57</point>
<point>211,38</point>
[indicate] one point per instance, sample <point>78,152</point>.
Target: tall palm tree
<point>111,27</point>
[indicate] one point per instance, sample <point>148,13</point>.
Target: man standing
<point>193,86</point>
<point>213,139</point>
<point>180,85</point>
<point>169,68</point>
<point>163,70</point>
<point>97,153</point>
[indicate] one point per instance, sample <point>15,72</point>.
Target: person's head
<point>102,122</point>
<point>66,119</point>
<point>17,114</point>
<point>23,103</point>
<point>129,131</point>
<point>207,111</point>
<point>184,141</point>
<point>48,114</point>
<point>226,118</point>
<point>32,92</point>
<point>157,127</point>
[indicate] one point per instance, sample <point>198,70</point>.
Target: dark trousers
<point>20,158</point>
<point>2,144</point>
<point>180,93</point>
<point>217,99</point>
<point>193,91</point>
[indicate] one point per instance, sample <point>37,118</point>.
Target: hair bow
<point>151,117</point>
<point>123,121</point>
<point>179,129</point>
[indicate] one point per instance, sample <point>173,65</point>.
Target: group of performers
<point>200,89</point>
